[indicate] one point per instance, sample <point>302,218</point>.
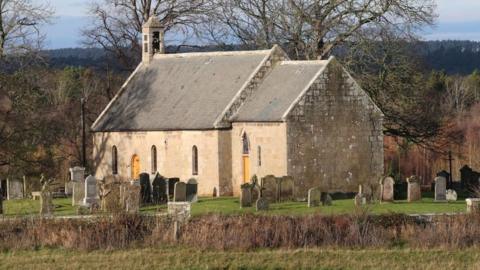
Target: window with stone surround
<point>246,146</point>
<point>259,153</point>
<point>194,160</point>
<point>114,160</point>
<point>154,159</point>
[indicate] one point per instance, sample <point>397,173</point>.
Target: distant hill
<point>451,56</point>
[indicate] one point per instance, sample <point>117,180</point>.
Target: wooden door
<point>135,167</point>
<point>246,169</point>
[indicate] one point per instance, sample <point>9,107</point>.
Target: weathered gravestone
<point>451,195</point>
<point>171,187</point>
<point>180,192</point>
<point>46,204</point>
<point>387,189</point>
<point>159,190</point>
<point>246,196</point>
<point>262,204</point>
<point>472,204</point>
<point>145,188</point>
<point>131,196</point>
<point>91,193</point>
<point>192,189</point>
<point>112,198</point>
<point>77,175</point>
<point>254,188</point>
<point>179,211</point>
<point>413,191</point>
<point>314,197</point>
<point>15,189</point>
<point>286,188</point>
<point>326,199</point>
<point>440,189</point>
<point>360,199</point>
<point>269,185</point>
<point>469,178</point>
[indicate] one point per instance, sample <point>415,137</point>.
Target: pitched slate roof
<point>279,90</point>
<point>181,91</point>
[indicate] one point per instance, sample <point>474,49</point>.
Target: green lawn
<point>188,258</point>
<point>230,205</point>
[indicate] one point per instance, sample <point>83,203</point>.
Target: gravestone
<point>131,193</point>
<point>269,185</point>
<point>440,189</point>
<point>286,188</point>
<point>469,178</point>
<point>113,197</point>
<point>360,199</point>
<point>387,189</point>
<point>159,189</point>
<point>179,211</point>
<point>326,199</point>
<point>451,195</point>
<point>262,204</point>
<point>145,189</point>
<point>91,193</point>
<point>46,204</point>
<point>15,189</point>
<point>171,187</point>
<point>413,191</point>
<point>246,196</point>
<point>77,175</point>
<point>1,200</point>
<point>472,204</point>
<point>314,197</point>
<point>192,189</point>
<point>180,192</point>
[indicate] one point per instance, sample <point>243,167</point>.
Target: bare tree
<point>20,22</point>
<point>118,23</point>
<point>313,28</point>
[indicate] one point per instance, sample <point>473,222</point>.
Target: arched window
<point>154,159</point>
<point>259,152</point>
<point>114,160</point>
<point>246,146</point>
<point>194,160</point>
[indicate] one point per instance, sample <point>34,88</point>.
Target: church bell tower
<point>152,39</point>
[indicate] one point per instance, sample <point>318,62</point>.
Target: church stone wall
<point>272,138</point>
<point>174,155</point>
<point>334,136</point>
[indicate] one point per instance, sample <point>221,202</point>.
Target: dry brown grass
<point>242,233</point>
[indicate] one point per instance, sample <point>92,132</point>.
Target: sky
<point>458,19</point>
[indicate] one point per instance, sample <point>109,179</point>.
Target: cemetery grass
<point>230,206</point>
<point>188,258</point>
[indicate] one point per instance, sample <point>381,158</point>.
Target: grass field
<point>230,205</point>
<point>184,258</point>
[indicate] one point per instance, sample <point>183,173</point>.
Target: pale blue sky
<point>458,19</point>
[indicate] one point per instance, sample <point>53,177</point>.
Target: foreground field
<point>183,258</point>
<point>230,205</point>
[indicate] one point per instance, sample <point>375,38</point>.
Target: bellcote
<point>152,39</point>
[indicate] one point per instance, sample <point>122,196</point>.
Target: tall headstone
<point>77,175</point>
<point>270,189</point>
<point>46,204</point>
<point>246,196</point>
<point>413,192</point>
<point>192,190</point>
<point>159,190</point>
<point>286,188</point>
<point>131,193</point>
<point>314,197</point>
<point>171,187</point>
<point>180,192</point>
<point>387,189</point>
<point>91,193</point>
<point>440,189</point>
<point>15,189</point>
<point>145,188</point>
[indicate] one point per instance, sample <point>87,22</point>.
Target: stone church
<point>222,117</point>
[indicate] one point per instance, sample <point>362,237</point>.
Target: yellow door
<point>135,167</point>
<point>246,169</point>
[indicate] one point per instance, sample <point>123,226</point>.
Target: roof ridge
<point>216,53</point>
<point>303,62</point>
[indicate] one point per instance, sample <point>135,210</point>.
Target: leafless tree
<point>20,22</point>
<point>313,28</point>
<point>118,23</point>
